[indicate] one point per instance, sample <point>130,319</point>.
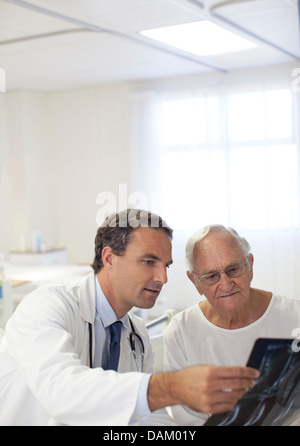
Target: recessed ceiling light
<point>201,38</point>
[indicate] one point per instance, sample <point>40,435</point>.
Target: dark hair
<point>117,229</point>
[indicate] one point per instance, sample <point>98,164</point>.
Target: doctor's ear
<point>107,256</point>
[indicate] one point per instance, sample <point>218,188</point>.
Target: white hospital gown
<point>191,339</point>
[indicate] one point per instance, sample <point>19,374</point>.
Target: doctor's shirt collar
<point>104,310</point>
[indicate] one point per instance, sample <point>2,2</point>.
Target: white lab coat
<point>44,363</point>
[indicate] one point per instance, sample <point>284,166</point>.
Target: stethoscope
<point>132,338</point>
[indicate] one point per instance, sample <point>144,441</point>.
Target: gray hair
<point>201,233</point>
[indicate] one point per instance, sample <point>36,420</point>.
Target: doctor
<point>55,352</point>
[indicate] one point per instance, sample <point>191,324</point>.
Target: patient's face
<point>216,252</point>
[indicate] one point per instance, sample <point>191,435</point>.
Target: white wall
<point>25,196</point>
<point>59,150</point>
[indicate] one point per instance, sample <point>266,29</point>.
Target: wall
<point>59,150</point>
<point>25,196</point>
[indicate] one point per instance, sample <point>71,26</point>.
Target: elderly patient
<point>223,327</point>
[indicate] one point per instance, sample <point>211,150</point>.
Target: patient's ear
<point>193,279</point>
<point>190,276</point>
<point>250,258</point>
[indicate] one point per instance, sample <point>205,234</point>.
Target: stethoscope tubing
<point>132,335</point>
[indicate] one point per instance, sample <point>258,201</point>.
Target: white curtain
<point>225,154</point>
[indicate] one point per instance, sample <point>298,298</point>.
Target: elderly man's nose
<point>225,281</point>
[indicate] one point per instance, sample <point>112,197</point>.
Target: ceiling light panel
<point>202,38</point>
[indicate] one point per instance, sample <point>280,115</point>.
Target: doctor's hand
<point>209,389</point>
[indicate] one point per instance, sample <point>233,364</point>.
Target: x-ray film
<point>275,398</point>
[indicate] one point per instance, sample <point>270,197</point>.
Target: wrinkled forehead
<point>217,250</point>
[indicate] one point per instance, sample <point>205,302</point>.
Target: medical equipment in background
<point>156,329</point>
<point>6,301</point>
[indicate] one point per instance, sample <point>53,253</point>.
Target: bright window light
<point>201,38</point>
<point>208,166</point>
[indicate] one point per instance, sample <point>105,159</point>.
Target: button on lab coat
<point>44,363</point>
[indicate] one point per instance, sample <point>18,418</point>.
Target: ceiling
<point>61,44</point>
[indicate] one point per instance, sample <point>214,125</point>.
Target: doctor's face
<point>138,275</point>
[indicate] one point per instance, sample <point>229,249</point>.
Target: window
<point>231,159</point>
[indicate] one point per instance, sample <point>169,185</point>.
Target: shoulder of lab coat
<point>48,339</point>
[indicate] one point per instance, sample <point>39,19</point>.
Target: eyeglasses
<point>215,276</point>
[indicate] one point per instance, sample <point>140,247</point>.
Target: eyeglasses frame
<point>219,273</point>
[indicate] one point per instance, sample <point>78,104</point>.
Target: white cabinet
<point>50,257</point>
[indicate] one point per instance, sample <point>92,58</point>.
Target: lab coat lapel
<point>87,299</point>
<point>87,307</point>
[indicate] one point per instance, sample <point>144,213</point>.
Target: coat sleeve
<point>40,338</point>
